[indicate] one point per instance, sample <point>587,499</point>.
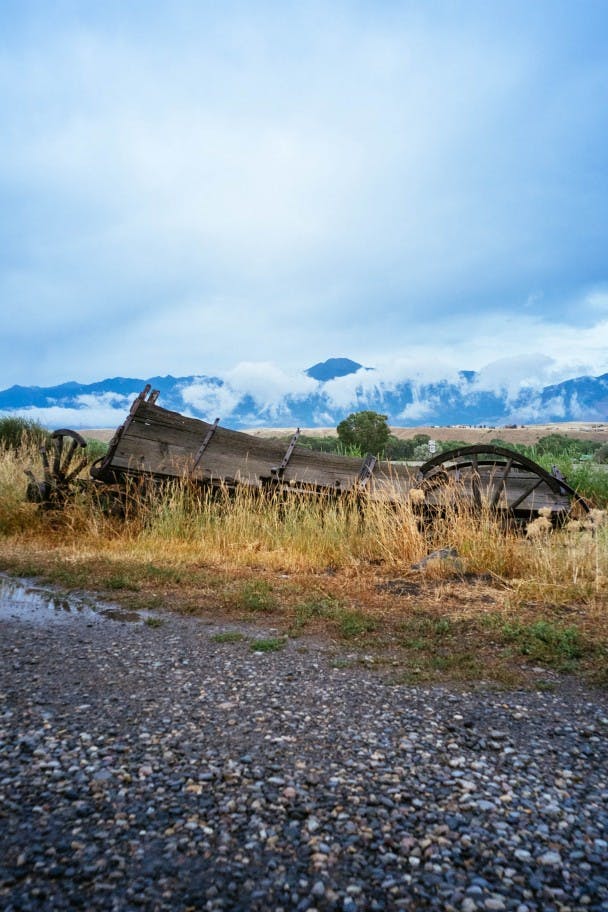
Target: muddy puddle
<point>27,601</point>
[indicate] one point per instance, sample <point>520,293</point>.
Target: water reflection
<point>24,600</point>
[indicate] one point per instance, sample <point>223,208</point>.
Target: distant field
<point>103,434</point>
<point>527,434</point>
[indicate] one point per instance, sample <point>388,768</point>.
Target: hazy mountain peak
<point>332,368</point>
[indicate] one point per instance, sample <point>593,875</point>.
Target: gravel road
<point>155,768</point>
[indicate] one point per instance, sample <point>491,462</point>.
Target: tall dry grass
<point>16,515</point>
<point>181,525</point>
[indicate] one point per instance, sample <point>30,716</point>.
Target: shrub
<point>16,432</point>
<point>95,448</point>
<point>559,445</point>
<point>601,455</point>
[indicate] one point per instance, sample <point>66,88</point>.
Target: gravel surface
<point>156,768</point>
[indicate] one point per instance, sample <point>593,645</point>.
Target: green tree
<point>367,430</point>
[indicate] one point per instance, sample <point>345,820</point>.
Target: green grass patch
<point>546,642</point>
<point>589,478</point>
<point>313,609</point>
<point>257,597</point>
<point>122,581</point>
<point>95,449</point>
<point>422,630</point>
<point>353,624</point>
<point>267,644</point>
<point>71,577</point>
<point>350,623</point>
<point>228,636</point>
<point>342,663</point>
<point>163,574</point>
<point>154,622</point>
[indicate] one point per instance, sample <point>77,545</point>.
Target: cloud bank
<point>187,186</point>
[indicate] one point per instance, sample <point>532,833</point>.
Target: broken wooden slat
<point>205,444</point>
<point>140,398</point>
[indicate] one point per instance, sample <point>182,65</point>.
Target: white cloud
<point>550,350</point>
<point>55,416</point>
<point>418,409</point>
<point>94,410</point>
<point>535,411</point>
<point>92,401</point>
<point>211,399</point>
<point>512,374</point>
<point>268,384</point>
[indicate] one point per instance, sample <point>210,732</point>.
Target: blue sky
<point>203,188</point>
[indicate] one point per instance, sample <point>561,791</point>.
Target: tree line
<point>368,432</point>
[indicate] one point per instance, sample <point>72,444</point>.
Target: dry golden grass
<point>341,569</point>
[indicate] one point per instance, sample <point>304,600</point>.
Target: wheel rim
<point>500,479</point>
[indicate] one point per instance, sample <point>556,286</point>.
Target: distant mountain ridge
<point>319,396</point>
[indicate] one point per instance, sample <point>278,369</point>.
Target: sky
<point>245,189</point>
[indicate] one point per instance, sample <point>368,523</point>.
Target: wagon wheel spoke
<point>475,481</point>
<point>69,456</point>
<point>58,448</point>
<point>45,465</point>
<point>526,494</point>
<point>60,471</point>
<point>76,470</point>
<point>501,484</point>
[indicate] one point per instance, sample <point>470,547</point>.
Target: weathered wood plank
<point>163,443</point>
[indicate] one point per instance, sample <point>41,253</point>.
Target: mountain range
<point>263,395</point>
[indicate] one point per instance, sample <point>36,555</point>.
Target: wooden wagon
<point>158,445</point>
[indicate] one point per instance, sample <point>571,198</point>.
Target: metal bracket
<point>367,470</point>
<point>204,444</point>
<point>279,471</point>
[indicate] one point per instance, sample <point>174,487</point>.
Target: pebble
<point>553,859</point>
<point>157,769</point>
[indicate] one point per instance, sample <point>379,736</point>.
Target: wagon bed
<point>161,444</point>
<point>164,444</point>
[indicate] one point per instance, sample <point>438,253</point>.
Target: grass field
<point>511,608</point>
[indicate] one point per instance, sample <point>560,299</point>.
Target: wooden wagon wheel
<point>60,466</point>
<point>499,479</point>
